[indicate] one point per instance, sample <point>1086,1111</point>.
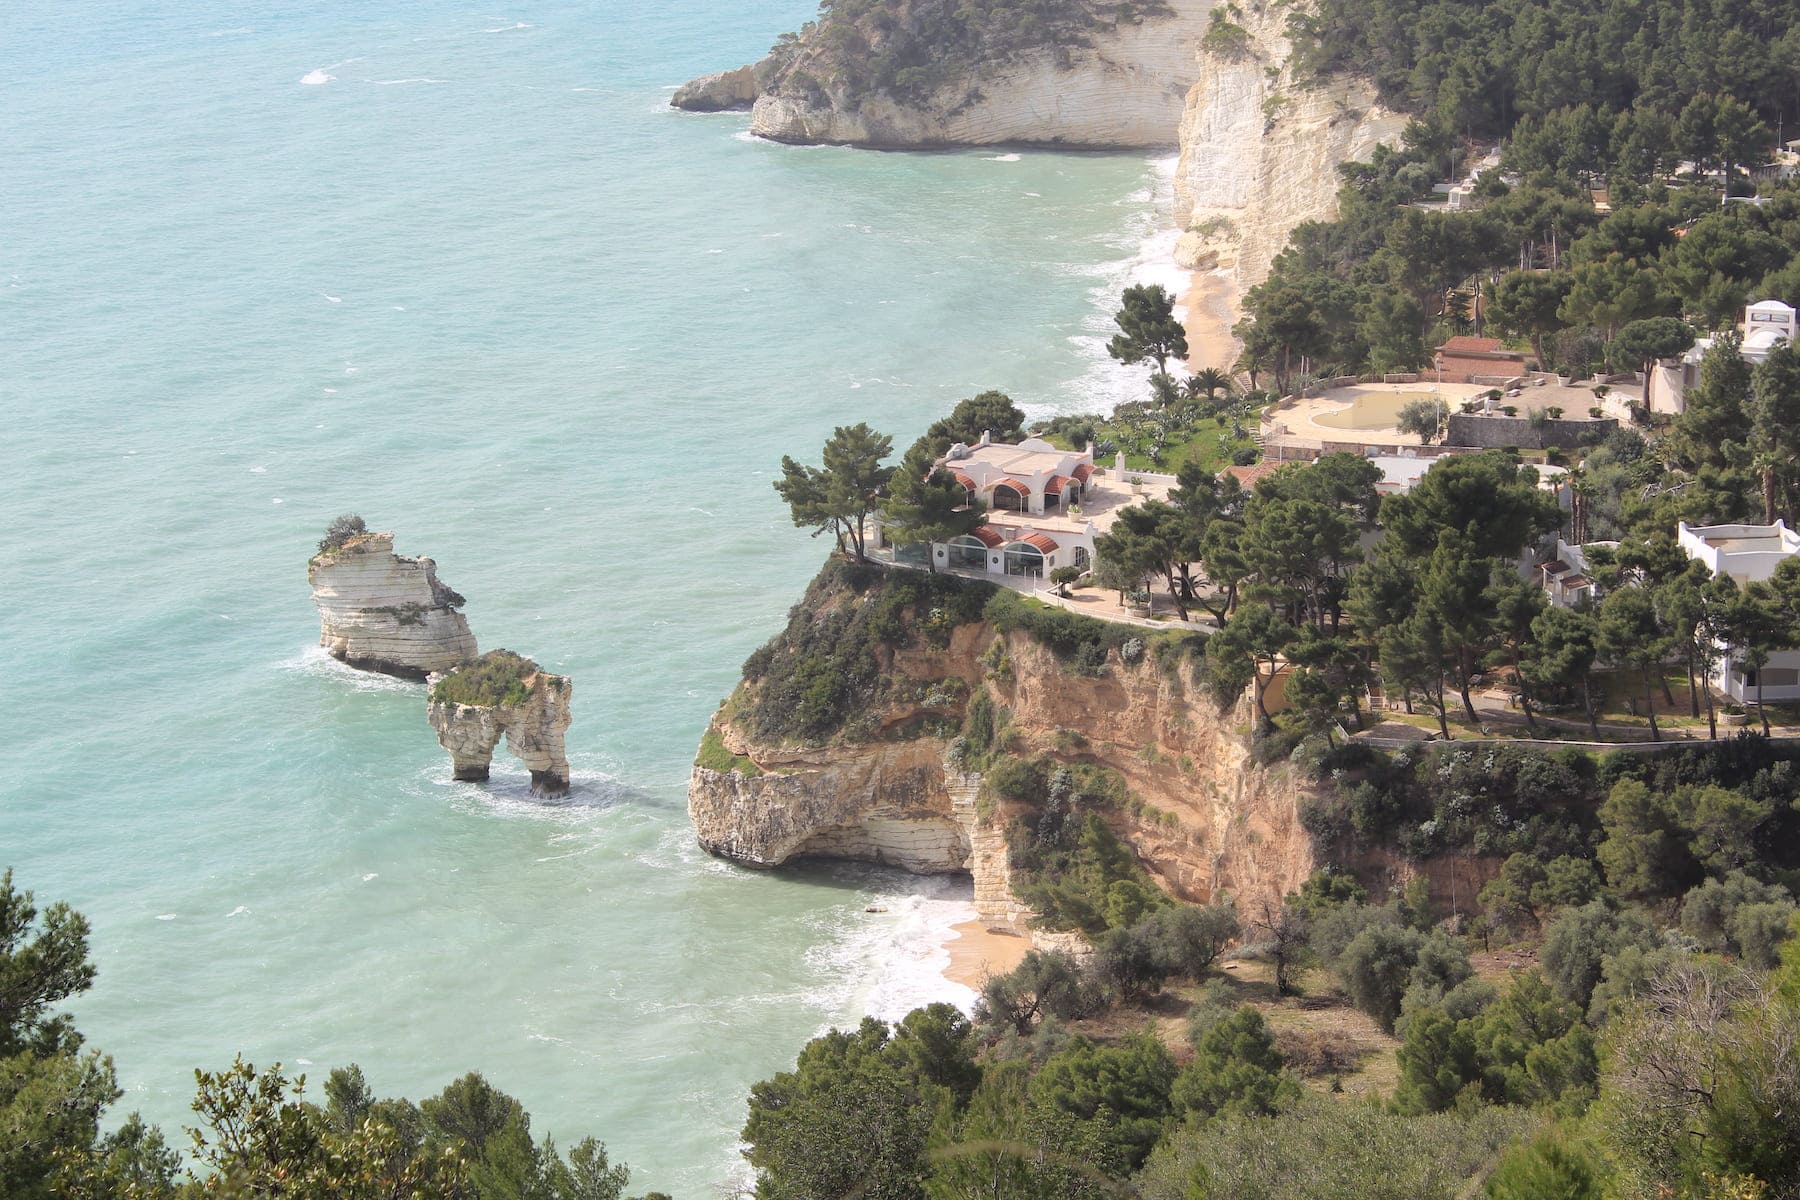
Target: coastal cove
<point>465,273</point>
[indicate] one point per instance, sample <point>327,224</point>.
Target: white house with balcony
<point>1766,325</point>
<point>1749,554</point>
<point>1567,579</point>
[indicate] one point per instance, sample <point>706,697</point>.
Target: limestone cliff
<point>1124,88</point>
<point>504,694</point>
<point>1204,818</point>
<point>385,612</point>
<point>1260,148</point>
<point>1259,145</point>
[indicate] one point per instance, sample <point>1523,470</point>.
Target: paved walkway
<point>1099,603</point>
<point>1494,708</point>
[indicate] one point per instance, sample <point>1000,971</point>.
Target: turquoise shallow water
<point>476,282</point>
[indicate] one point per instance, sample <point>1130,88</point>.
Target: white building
<point>1033,493</point>
<point>1767,324</point>
<point>1749,554</point>
<point>1567,579</point>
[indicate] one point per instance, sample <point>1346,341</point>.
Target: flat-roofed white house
<point>1767,324</point>
<point>1749,554</point>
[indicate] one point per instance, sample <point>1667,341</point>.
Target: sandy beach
<point>1211,311</point>
<point>978,952</point>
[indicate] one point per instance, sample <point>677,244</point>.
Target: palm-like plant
<point>1209,384</point>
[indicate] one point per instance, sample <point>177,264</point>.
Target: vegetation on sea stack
<point>495,680</point>
<point>911,48</point>
<point>340,531</point>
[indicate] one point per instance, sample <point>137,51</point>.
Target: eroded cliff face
<point>385,612</point>
<point>1260,149</point>
<point>533,729</point>
<point>1126,90</point>
<point>1207,818</point>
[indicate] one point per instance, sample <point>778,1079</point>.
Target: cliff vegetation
<point>911,48</point>
<point>495,680</point>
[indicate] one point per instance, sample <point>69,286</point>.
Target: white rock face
<point>383,612</point>
<point>884,803</point>
<point>722,91</point>
<point>1259,152</point>
<point>534,733</point>
<point>1127,91</point>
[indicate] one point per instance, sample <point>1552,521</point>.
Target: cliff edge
<point>380,611</point>
<point>889,783</point>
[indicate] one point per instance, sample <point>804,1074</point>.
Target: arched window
<point>968,552</point>
<point>1024,559</point>
<point>1011,496</point>
<point>1082,558</point>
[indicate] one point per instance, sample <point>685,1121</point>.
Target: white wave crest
<point>317,77</point>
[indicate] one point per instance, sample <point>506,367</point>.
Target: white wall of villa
<point>1766,324</point>
<point>1749,554</point>
<point>1567,579</point>
<point>1032,493</point>
<point>1030,477</point>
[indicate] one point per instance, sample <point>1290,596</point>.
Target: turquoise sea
<point>459,269</point>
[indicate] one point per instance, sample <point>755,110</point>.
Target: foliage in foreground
<point>256,1134</point>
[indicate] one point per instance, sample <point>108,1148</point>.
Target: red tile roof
<point>1014,484</point>
<point>1472,345</point>
<point>1082,471</point>
<point>988,537</point>
<point>1247,476</point>
<point>968,483</point>
<point>1056,484</point>
<point>1042,541</point>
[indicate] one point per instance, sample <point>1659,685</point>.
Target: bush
<point>714,756</point>
<point>340,531</point>
<point>1064,632</point>
<point>822,672</point>
<point>1577,944</point>
<point>495,680</point>
<point>1236,1070</point>
<point>1044,984</point>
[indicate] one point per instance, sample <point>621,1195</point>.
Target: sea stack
<point>380,611</point>
<point>504,693</point>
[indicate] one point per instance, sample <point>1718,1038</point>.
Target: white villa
<point>1567,578</point>
<point>1749,554</point>
<point>1767,324</point>
<point>1033,494</point>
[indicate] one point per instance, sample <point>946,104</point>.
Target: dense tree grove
<point>1480,68</point>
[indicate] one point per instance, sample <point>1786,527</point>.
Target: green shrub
<point>822,674</point>
<point>495,680</point>
<point>340,531</point>
<point>715,756</point>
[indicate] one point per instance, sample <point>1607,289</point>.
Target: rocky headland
<point>1259,140</point>
<point>380,611</point>
<point>504,694</point>
<point>890,785</point>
